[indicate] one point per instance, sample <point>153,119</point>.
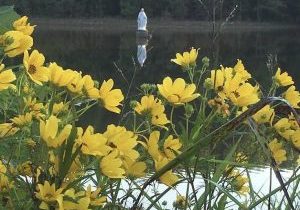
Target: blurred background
<point>248,10</point>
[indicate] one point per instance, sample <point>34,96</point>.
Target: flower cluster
<point>57,164</point>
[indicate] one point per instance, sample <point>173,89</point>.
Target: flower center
<point>32,69</point>
<point>48,196</point>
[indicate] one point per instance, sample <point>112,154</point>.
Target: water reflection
<point>142,42</point>
<point>99,52</point>
<point>141,54</point>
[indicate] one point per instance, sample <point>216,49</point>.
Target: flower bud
<point>189,110</point>
<point>133,104</point>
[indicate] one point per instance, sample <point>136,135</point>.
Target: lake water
<point>98,52</point>
<point>104,53</point>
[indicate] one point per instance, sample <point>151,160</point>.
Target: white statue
<point>142,20</point>
<point>141,54</point>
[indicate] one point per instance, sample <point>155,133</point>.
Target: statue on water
<point>142,20</point>
<point>142,37</point>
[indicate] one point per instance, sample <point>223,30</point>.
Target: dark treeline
<point>244,10</point>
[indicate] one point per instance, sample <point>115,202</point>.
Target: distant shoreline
<point>118,24</point>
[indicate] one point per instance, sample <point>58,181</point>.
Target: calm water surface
<point>99,52</point>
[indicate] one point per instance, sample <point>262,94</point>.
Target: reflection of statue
<point>142,20</point>
<point>141,54</point>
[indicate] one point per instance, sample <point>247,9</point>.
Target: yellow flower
<point>283,128</point>
<point>94,144</point>
<point>152,145</point>
<point>49,132</point>
<point>59,107</point>
<point>239,182</point>
<point>111,165</point>
<point>240,69</point>
<point>6,77</point>
<point>220,105</point>
<point>89,86</point>
<point>153,108</point>
<point>7,129</point>
<point>75,170</point>
<point>216,80</point>
<point>5,184</point>
<point>293,122</point>
<point>171,147</point>
<point>33,64</point>
<point>134,168</point>
<point>110,98</point>
<point>60,77</point>
<point>22,25</point>
<point>230,83</point>
<point>2,168</point>
<point>34,107</point>
<point>265,115</point>
<point>77,82</point>
<point>180,202</point>
<point>292,96</point>
<point>179,92</point>
<point>296,138</point>
<point>186,59</point>
<point>245,95</point>
<point>121,140</point>
<point>26,169</point>
<point>29,142</point>
<point>95,199</point>
<point>16,43</point>
<point>22,120</point>
<point>240,157</point>
<point>278,153</point>
<point>75,200</point>
<point>283,79</point>
<point>167,178</point>
<point>49,196</point>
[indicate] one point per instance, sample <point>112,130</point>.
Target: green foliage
<point>129,8</point>
<point>7,16</point>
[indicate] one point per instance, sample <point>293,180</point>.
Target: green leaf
<point>7,17</point>
<point>222,203</point>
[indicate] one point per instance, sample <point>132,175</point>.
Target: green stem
<point>172,124</point>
